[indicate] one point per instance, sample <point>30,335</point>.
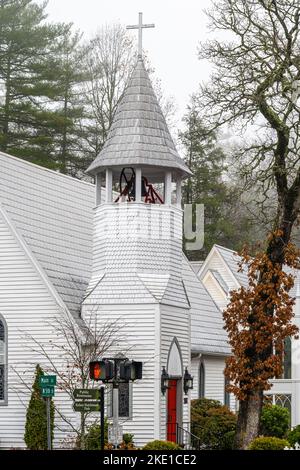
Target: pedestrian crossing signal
<point>131,370</point>
<point>101,370</point>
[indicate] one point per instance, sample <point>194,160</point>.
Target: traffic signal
<point>131,370</point>
<point>101,370</point>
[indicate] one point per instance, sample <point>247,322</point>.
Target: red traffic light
<point>101,370</point>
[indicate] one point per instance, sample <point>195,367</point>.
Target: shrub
<point>228,440</point>
<point>128,438</point>
<point>35,436</point>
<point>274,421</point>
<point>268,443</point>
<point>293,436</point>
<point>211,422</point>
<point>92,440</point>
<point>161,445</point>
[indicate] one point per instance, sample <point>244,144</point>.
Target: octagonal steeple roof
<point>139,135</point>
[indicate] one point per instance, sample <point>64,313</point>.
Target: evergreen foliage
<point>268,443</point>
<point>225,222</point>
<point>274,421</point>
<point>28,46</point>
<point>293,436</point>
<point>161,445</point>
<point>212,422</point>
<point>35,436</point>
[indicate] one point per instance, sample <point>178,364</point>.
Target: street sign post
<point>85,407</point>
<point>47,392</point>
<point>90,399</point>
<point>47,385</point>
<point>47,380</point>
<point>86,394</point>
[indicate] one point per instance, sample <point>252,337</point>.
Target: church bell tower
<point>137,254</point>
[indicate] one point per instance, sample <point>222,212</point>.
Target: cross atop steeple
<point>140,27</point>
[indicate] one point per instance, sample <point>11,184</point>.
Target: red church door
<point>172,411</point>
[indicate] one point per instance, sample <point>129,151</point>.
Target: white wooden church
<point>113,250</point>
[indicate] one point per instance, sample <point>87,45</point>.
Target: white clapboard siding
<point>215,290</point>
<point>138,338</point>
<point>214,378</point>
<point>195,364</point>
<point>29,309</point>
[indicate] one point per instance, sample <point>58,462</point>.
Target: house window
<point>125,393</point>
<point>287,359</point>
<point>226,394</point>
<point>201,381</point>
<point>3,360</point>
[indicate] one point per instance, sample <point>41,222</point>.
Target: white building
<point>68,247</point>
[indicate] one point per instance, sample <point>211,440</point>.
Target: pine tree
<point>69,106</point>
<point>208,186</point>
<point>35,436</point>
<point>27,52</point>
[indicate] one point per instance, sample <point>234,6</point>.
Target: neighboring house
<point>220,274</point>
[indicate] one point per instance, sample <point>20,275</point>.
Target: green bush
<point>211,422</point>
<point>161,445</point>
<point>128,438</point>
<point>293,436</point>
<point>228,440</point>
<point>92,439</point>
<point>268,443</point>
<point>274,421</point>
<point>35,436</point>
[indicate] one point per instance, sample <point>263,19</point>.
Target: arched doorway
<point>174,394</point>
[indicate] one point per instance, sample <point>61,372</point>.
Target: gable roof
<point>232,259</point>
<point>139,134</point>
<point>53,214</point>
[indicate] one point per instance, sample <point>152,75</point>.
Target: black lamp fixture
<point>187,381</point>
<point>164,381</point>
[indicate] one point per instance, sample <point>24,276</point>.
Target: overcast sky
<point>172,45</point>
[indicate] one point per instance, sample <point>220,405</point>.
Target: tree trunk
<point>248,420</point>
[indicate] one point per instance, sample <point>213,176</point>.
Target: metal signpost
<point>47,385</point>
<point>90,399</point>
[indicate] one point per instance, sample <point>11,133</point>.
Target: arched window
<point>201,381</point>
<point>3,361</point>
<point>226,393</point>
<point>287,359</point>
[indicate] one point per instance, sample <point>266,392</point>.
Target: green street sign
<point>86,393</point>
<point>47,380</point>
<point>47,391</point>
<point>86,406</point>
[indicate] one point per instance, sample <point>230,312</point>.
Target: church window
<point>125,393</point>
<point>201,381</point>
<point>226,393</point>
<point>287,359</point>
<point>3,360</point>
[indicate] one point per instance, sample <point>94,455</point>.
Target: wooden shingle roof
<point>139,134</point>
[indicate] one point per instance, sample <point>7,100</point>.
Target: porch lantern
<point>164,381</point>
<point>187,381</point>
